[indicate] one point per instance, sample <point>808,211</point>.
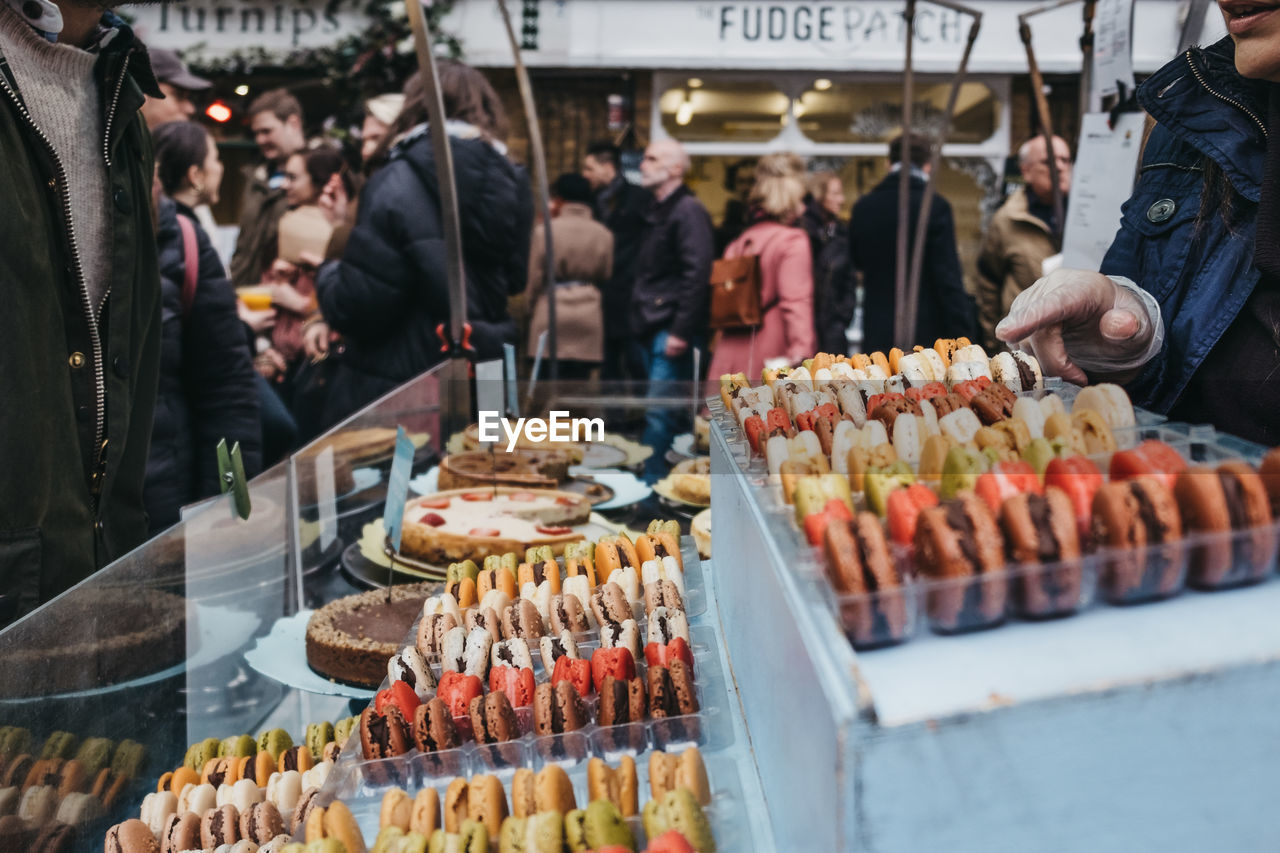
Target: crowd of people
<point>131,351</point>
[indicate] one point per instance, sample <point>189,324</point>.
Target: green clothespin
<point>231,478</point>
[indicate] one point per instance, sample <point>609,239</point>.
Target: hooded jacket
<point>1199,269</point>
<point>207,389</point>
<point>390,290</point>
<point>78,389</point>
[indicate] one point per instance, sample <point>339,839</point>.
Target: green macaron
<point>318,734</point>
<point>274,741</point>
<point>59,745</point>
<point>960,470</point>
<point>14,740</point>
<point>678,809</point>
<point>599,825</point>
<point>238,746</point>
<point>414,842</point>
<point>389,840</point>
<point>129,760</point>
<point>343,729</point>
<point>95,754</point>
<point>326,845</point>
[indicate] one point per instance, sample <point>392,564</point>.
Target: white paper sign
<point>1112,49</point>
<point>1101,182</point>
<point>326,497</point>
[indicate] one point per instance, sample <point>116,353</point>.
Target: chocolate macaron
<point>433,727</point>
<point>859,564</point>
<point>1216,502</point>
<point>493,720</point>
<point>1041,529</point>
<point>558,709</point>
<point>1138,519</point>
<point>959,544</point>
<point>384,735</point>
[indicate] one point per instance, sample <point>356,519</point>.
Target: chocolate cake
<point>529,469</point>
<point>351,639</point>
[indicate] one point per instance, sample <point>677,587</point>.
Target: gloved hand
<point>1078,320</point>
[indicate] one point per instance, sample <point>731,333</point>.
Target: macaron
<point>433,726</point>
<point>1042,529</point>
<point>302,810</point>
<point>181,832</point>
<point>395,810</point>
<point>274,741</point>
<point>59,745</point>
<point>13,833</point>
<point>343,729</point>
<point>284,789</point>
<point>95,754</point>
<point>600,824</point>
<point>220,826</point>
<point>618,784</point>
<point>1139,518</point>
<point>668,772</point>
<point>424,817</point>
<point>340,824</point>
<point>487,803</point>
<point>129,759</point>
<point>1231,497</point>
<point>79,809</point>
<point>679,810</point>
<point>261,822</point>
<point>318,734</point>
<point>238,746</point>
<point>1109,400</point>
<point>954,541</point>
<point>132,836</point>
<point>58,838</point>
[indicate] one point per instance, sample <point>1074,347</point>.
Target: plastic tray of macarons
<point>946,489</point>
<point>596,716</point>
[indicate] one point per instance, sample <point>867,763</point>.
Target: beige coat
<point>1013,251</point>
<point>584,254</point>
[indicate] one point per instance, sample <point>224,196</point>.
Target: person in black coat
<point>834,294</point>
<point>390,290</point>
<point>621,206</point>
<point>207,382</point>
<point>945,309</point>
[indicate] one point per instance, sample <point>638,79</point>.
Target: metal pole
<point>1086,67</point>
<point>1193,26</point>
<point>904,333</point>
<point>1046,122</point>
<point>935,162</point>
<point>538,157</point>
<point>444,172</point>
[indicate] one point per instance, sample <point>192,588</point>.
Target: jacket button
<point>658,301</point>
<point>120,365</point>
<point>76,359</point>
<point>1161,210</point>
<point>121,199</point>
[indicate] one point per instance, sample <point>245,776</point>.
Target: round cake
<point>351,639</point>
<point>529,469</point>
<point>471,524</point>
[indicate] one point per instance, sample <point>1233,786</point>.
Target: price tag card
<point>1101,182</point>
<point>398,488</point>
<point>509,356</point>
<point>328,502</point>
<point>489,390</point>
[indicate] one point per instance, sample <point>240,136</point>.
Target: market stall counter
<point>177,680</point>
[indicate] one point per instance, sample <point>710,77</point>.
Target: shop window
<point>872,112</point>
<point>723,111</point>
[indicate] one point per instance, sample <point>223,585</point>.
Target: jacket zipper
<point>1232,101</point>
<point>95,339</point>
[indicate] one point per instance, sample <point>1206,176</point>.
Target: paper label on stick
<point>398,488</point>
<point>1101,182</point>
<point>326,498</point>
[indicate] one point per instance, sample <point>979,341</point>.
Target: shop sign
<point>849,27</point>
<point>225,26</point>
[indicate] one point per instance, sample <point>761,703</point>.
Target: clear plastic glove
<point>1074,321</point>
<point>315,341</point>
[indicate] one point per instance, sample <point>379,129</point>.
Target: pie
<point>529,469</point>
<point>691,480</point>
<point>471,440</point>
<point>350,639</point>
<point>471,524</point>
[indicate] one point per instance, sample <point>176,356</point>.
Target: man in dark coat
<point>80,329</point>
<point>621,206</point>
<point>945,309</point>
<point>207,387</point>
<point>671,297</point>
<point>390,290</point>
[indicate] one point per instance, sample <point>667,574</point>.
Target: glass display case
<point>199,633</point>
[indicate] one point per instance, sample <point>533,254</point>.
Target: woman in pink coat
<point>786,275</point>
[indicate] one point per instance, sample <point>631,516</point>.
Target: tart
<point>691,480</point>
<point>471,524</point>
<point>350,639</point>
<point>528,469</point>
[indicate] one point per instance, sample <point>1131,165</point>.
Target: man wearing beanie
<point>81,327</point>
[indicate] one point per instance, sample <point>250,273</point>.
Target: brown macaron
<point>558,708</point>
<point>521,619</point>
<point>686,770</point>
<point>487,803</point>
<point>339,823</point>
<point>621,701</point>
<point>424,818</point>
<point>617,785</point>
<point>431,631</point>
<point>220,826</point>
<point>1040,529</point>
<point>485,618</point>
<point>132,836</point>
<point>567,614</point>
<point>662,593</point>
<point>181,832</point>
<point>302,810</point>
<point>493,720</point>
<point>860,564</point>
<point>296,758</point>
<point>1232,497</point>
<point>261,822</point>
<point>433,726</point>
<point>609,604</point>
<point>993,404</point>
<point>72,779</point>
<point>1131,516</point>
<point>1269,471</point>
<point>455,804</point>
<point>524,801</point>
<point>957,540</point>
<point>384,735</point>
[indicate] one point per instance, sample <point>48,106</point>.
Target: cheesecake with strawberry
<point>471,524</point>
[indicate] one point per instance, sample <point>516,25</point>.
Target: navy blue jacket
<point>1199,269</point>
